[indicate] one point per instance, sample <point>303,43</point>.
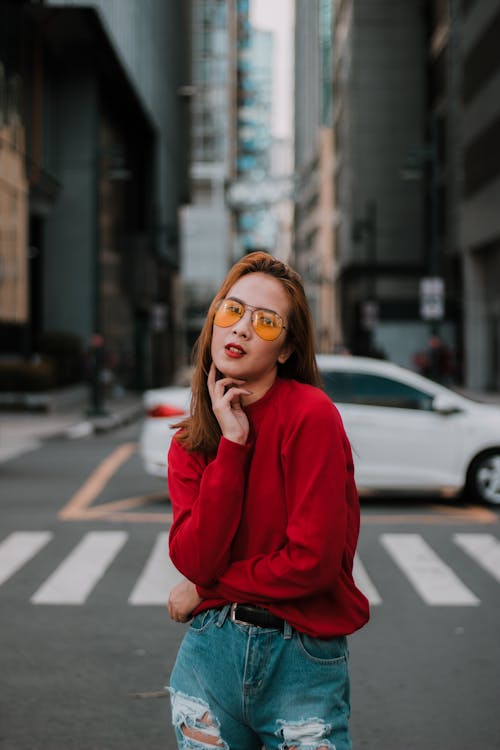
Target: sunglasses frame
<point>253,310</point>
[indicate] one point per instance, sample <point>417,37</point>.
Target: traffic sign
<point>432,298</point>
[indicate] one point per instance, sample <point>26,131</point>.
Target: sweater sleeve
<point>317,464</point>
<point>206,501</point>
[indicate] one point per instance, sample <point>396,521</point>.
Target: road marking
<point>78,506</point>
<point>157,518</point>
<point>435,581</point>
<point>484,549</point>
<point>18,548</point>
<point>76,576</point>
<point>364,582</point>
<point>158,577</point>
<point>114,510</point>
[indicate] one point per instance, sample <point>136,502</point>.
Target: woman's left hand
<point>182,601</point>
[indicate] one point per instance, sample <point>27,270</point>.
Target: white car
<point>164,408</point>
<point>408,434</point>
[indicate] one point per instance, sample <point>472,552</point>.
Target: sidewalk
<point>23,431</point>
<point>486,397</point>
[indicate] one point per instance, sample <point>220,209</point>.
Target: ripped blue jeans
<point>241,687</point>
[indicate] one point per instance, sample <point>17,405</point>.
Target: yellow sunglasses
<point>267,324</point>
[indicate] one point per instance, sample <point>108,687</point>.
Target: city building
<point>93,106</point>
<point>255,225</point>
<point>315,253</point>
<point>479,224</point>
<point>239,172</point>
<point>379,119</point>
<point>437,168</point>
<point>414,257</point>
<point>206,223</point>
<point>261,196</point>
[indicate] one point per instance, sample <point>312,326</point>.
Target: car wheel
<point>484,477</point>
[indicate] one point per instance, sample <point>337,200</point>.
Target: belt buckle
<point>233,617</point>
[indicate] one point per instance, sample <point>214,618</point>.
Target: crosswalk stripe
<point>76,576</point>
<point>158,576</point>
<point>18,548</point>
<point>484,549</point>
<point>435,581</point>
<point>364,582</point>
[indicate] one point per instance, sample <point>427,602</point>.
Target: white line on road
<point>157,578</point>
<point>484,549</point>
<point>364,582</point>
<point>76,576</point>
<point>435,581</point>
<point>18,548</point>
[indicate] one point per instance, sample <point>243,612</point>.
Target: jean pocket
<point>202,620</point>
<point>323,650</point>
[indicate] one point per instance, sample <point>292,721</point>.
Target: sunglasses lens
<point>228,312</point>
<point>267,325</point>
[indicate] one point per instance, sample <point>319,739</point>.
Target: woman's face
<point>238,351</point>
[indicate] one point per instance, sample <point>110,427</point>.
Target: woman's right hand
<point>226,396</point>
<point>182,601</point>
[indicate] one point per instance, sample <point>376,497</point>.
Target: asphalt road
<point>87,645</point>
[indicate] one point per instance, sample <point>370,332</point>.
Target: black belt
<point>248,614</point>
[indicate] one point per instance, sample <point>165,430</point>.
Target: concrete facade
<point>71,226</point>
<point>106,155</point>
<point>13,220</point>
<point>379,121</point>
<point>315,252</point>
<point>206,229</point>
<point>480,215</point>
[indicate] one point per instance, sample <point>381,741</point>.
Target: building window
<point>483,61</point>
<point>482,159</point>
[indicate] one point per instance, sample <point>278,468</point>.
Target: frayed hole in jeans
<point>192,716</point>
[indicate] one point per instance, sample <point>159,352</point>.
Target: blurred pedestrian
<point>437,362</point>
<point>266,523</point>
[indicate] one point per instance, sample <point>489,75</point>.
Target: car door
<point>398,441</point>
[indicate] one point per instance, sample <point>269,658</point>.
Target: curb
<point>111,421</point>
<point>99,424</point>
<point>45,402</point>
<point>21,435</point>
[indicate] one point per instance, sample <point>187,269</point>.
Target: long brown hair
<point>201,431</point>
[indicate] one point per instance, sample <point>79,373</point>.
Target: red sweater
<point>275,522</point>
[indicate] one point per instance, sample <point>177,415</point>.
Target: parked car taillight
<point>164,410</point>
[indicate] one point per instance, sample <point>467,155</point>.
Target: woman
<point>266,522</point>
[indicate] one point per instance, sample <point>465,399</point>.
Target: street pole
<point>434,260</point>
<point>96,343</point>
<point>432,287</point>
<point>366,229</point>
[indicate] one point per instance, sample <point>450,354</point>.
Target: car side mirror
<point>445,405</point>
